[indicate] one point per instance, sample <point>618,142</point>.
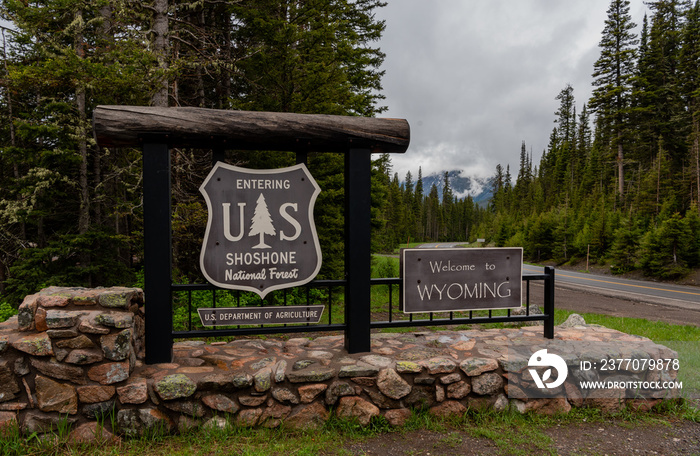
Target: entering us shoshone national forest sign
<point>260,232</point>
<point>446,280</point>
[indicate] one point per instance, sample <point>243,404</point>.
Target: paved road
<point>440,245</point>
<point>686,297</point>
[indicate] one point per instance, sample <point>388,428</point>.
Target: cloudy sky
<point>474,78</point>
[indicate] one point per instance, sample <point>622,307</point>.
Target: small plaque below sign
<point>445,280</point>
<point>230,316</point>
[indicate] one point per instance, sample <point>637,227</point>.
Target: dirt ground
<point>681,437</point>
<point>584,302</point>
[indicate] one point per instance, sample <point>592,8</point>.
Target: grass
<point>511,432</point>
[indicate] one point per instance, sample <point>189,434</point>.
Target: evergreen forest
<point>619,180</point>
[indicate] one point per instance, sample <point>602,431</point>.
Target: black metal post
<point>157,238</point>
<point>357,250</point>
<point>549,302</point>
<point>218,155</point>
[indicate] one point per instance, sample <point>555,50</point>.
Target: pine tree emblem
<point>261,224</point>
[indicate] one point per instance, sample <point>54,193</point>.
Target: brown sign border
<point>314,235</point>
<point>403,265</point>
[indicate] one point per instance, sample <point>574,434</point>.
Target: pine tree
<point>261,223</point>
<point>613,75</point>
<point>690,86</point>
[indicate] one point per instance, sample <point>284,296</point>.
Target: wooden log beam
<point>130,126</point>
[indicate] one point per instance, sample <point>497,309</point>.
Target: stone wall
<point>76,355</point>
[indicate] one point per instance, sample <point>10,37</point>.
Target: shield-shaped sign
<point>260,233</point>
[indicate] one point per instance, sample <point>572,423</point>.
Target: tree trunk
<point>620,167</point>
<point>84,216</point>
<point>160,48</point>
<point>128,126</point>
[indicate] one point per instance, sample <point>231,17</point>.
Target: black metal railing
<point>334,315</point>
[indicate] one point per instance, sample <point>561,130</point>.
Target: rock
<point>98,410</point>
<point>477,366</point>
<point>279,371</point>
<point>311,375</point>
<point>221,403</point>
<point>62,333</point>
<point>441,366</point>
<point>91,394</point>
<point>550,406</point>
<point>117,347</point>
<point>392,385</point>
<point>92,434</point>
<point>573,320</point>
<point>137,422</point>
<point>224,382</point>
<point>354,407</point>
<point>308,417</point>
<point>134,392</point>
<point>40,319</point>
<point>252,401</point>
<point>285,395</point>
<point>85,296</point>
<point>81,341</point>
<point>53,396</point>
<point>248,418</point>
<point>187,408</point>
<point>34,344</point>
<point>397,417</point>
<point>425,380</point>
<point>439,393</point>
<point>308,393</point>
<point>216,422</point>
<point>458,390</point>
<point>242,380</point>
<point>53,368</point>
<point>119,298</point>
<point>381,400</point>
<point>302,364</point>
<point>488,384</point>
<point>337,390</point>
<point>273,416</point>
<point>25,313</point>
<point>21,366</point>
<point>38,422</point>
<point>83,357</point>
<point>120,320</point>
<point>59,319</point>
<point>501,404</point>
<point>8,384</point>
<point>513,363</point>
<point>356,370</point>
<point>421,397</point>
<point>88,327</point>
<point>175,386</point>
<point>378,361</point>
<point>53,297</point>
<point>408,367</point>
<point>109,373</point>
<point>263,380</point>
<point>448,409</point>
<point>8,422</point>
<point>365,381</point>
<point>451,378</point>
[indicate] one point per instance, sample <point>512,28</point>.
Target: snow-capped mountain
<point>479,188</point>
